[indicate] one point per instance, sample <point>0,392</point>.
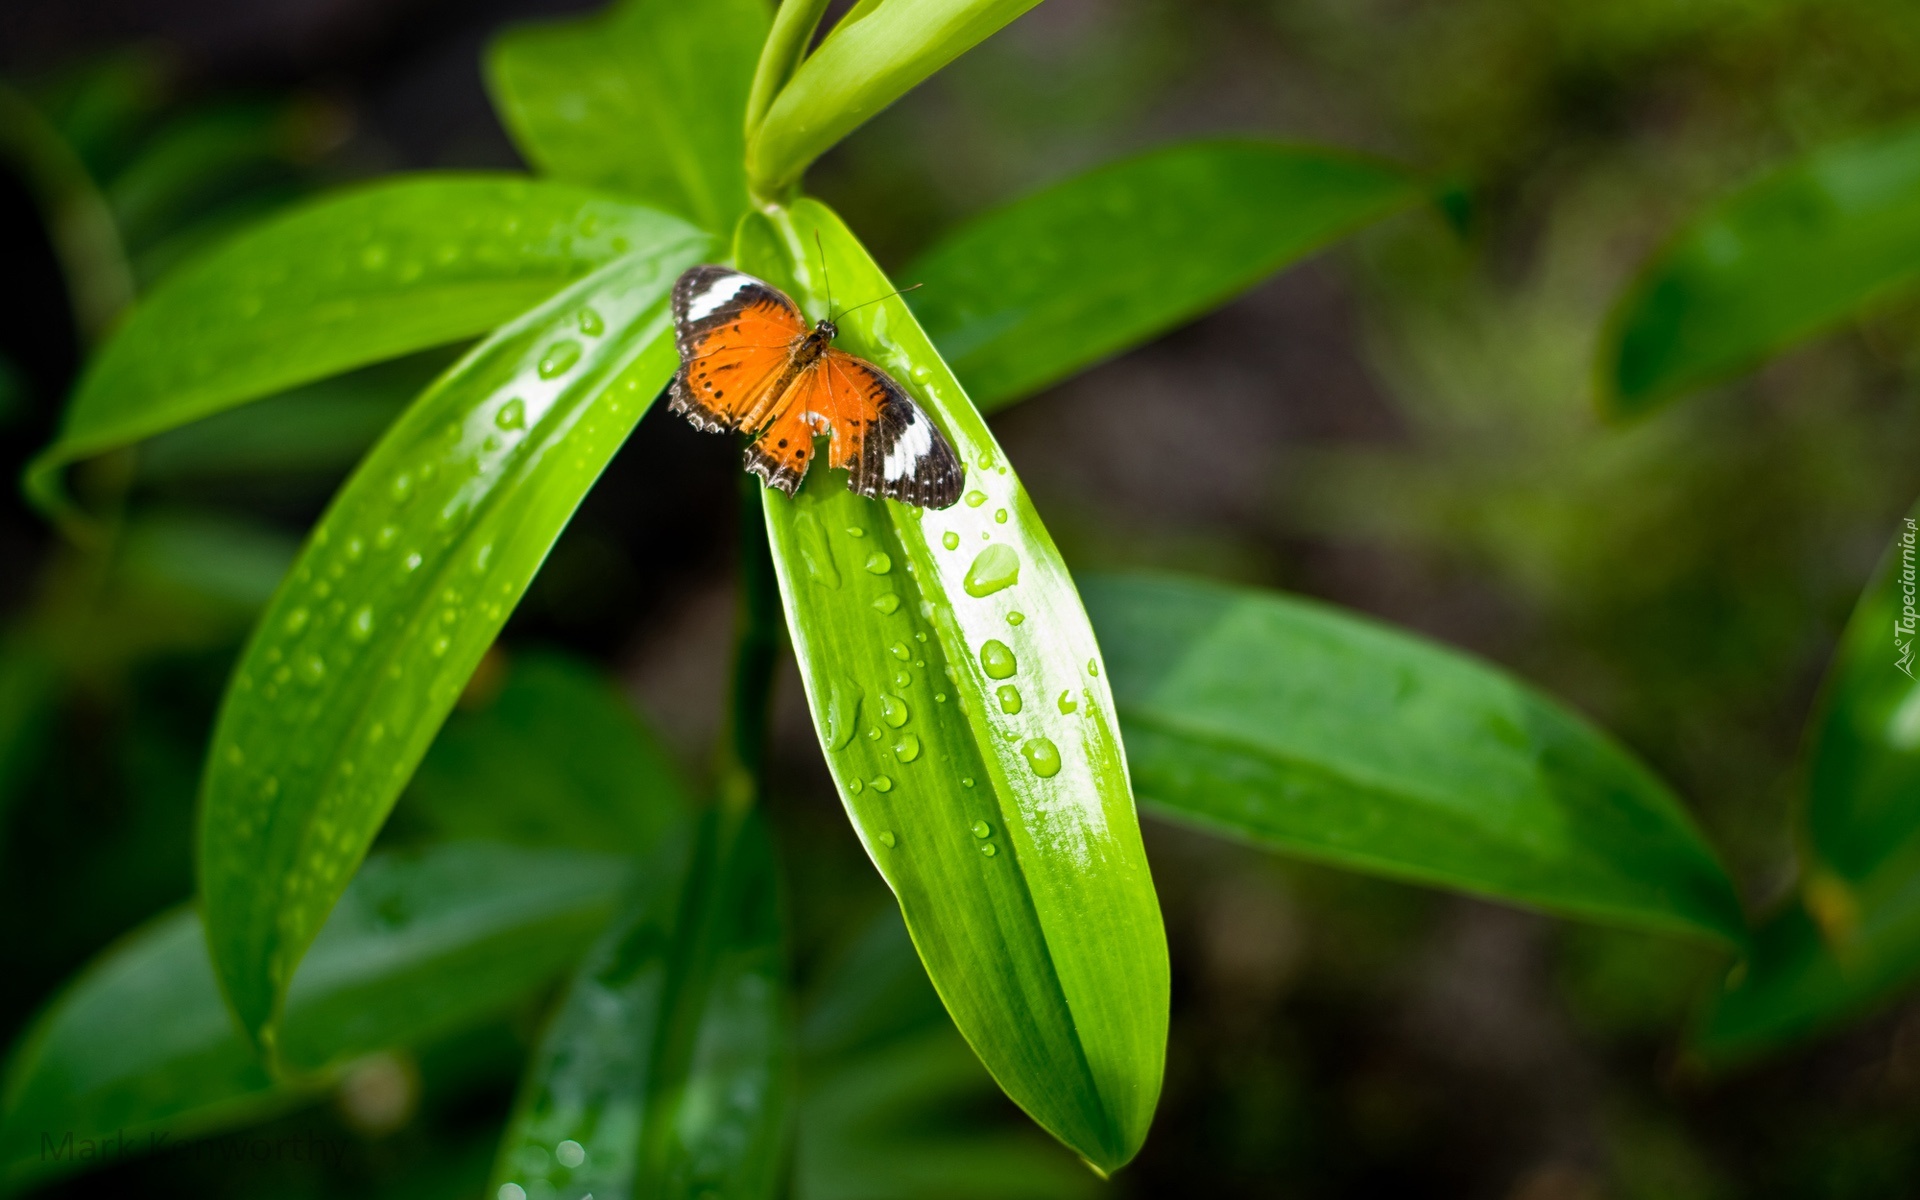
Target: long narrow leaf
<point>960,701</point>
<point>1295,726</point>
<point>1789,255</point>
<point>665,1071</point>
<point>399,591</point>
<point>1030,293</point>
<point>647,98</point>
<point>875,55</point>
<point>141,1051</point>
<point>353,278</point>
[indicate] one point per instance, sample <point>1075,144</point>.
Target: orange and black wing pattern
<point>735,335</point>
<point>748,362</point>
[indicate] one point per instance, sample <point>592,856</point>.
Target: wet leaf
<point>1296,726</point>
<point>970,732</point>
<point>665,1070</point>
<point>367,274</point>
<point>1030,293</point>
<point>399,591</point>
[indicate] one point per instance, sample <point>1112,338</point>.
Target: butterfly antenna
<point>877,299</point>
<point>825,278</point>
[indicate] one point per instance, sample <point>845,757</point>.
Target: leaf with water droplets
<point>665,1069</point>
<point>340,747</point>
<point>1048,950</point>
<point>295,299</point>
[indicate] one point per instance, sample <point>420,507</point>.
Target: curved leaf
<point>140,1044</point>
<point>958,693</point>
<point>1791,254</point>
<point>1863,797</point>
<point>1300,727</point>
<point>647,97</point>
<point>876,54</point>
<point>665,1070</point>
<point>350,279</point>
<point>1030,293</point>
<point>397,594</point>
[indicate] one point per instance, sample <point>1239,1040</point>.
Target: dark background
<point>1404,426</point>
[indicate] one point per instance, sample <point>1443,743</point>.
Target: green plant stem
<point>786,45</point>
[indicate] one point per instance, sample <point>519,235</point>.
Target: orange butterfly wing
<point>877,433</point>
<point>735,335</point>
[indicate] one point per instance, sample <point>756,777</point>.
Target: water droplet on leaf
<point>1042,756</point>
<point>893,710</point>
<point>878,563</point>
<point>997,660</point>
<point>882,784</point>
<point>512,415</point>
<point>950,540</point>
<point>1068,703</point>
<point>886,838</point>
<point>907,748</point>
<point>887,602</point>
<point>559,358</point>
<point>982,830</point>
<point>1009,698</point>
<point>976,498</point>
<point>996,567</point>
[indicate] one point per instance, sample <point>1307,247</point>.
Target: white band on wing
<point>716,295</point>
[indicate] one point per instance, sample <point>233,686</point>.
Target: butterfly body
<point>750,363</point>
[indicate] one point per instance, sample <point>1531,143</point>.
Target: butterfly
<point>750,363</point>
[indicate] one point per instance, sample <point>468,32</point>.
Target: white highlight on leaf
<point>716,295</point>
<point>916,438</point>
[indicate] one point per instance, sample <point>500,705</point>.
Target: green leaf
<point>1789,255</point>
<point>141,1045</point>
<point>557,758</point>
<point>1863,794</point>
<point>1009,837</point>
<point>398,593</point>
<point>1302,728</point>
<point>876,54</point>
<point>1028,294</point>
<point>647,97</point>
<point>350,279</point>
<point>665,1072</point>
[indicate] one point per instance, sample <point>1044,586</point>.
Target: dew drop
<point>873,735</point>
<point>402,487</point>
<point>886,838</point>
<point>1042,756</point>
<point>878,563</point>
<point>354,548</point>
<point>559,358</point>
<point>512,415</point>
<point>886,602</point>
<point>900,651</point>
<point>386,537</point>
<point>843,711</point>
<point>1093,666</point>
<point>882,784</point>
<point>1067,702</point>
<point>997,660</point>
<point>966,781</point>
<point>296,621</point>
<point>412,561</point>
<point>976,498</point>
<point>313,669</point>
<point>950,540</point>
<point>855,531</point>
<point>855,786</point>
<point>439,646</point>
<point>590,323</point>
<point>482,557</point>
<point>987,849</point>
<point>907,748</point>
<point>1015,618</point>
<point>919,635</point>
<point>1009,698</point>
<point>903,679</point>
<point>939,697</point>
<point>360,625</point>
<point>893,710</point>
<point>996,567</point>
<point>815,552</point>
<point>1000,516</point>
